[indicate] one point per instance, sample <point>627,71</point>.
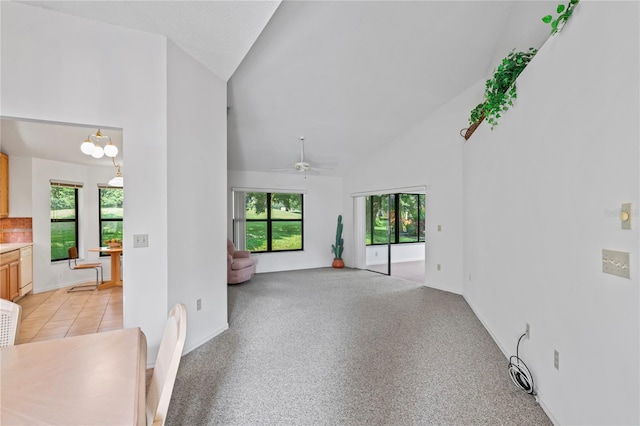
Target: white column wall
<point>197,214</point>
<point>542,192</point>
<point>62,68</point>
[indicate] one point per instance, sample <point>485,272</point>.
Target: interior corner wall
<point>428,154</point>
<point>322,205</point>
<point>49,275</point>
<point>62,68</point>
<point>542,193</point>
<point>197,187</point>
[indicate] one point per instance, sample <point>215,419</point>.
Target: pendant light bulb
<point>98,152</point>
<point>110,150</point>
<point>87,146</point>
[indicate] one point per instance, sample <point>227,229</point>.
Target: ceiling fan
<point>301,166</point>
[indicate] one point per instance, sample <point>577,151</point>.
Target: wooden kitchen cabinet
<point>10,275</point>
<point>4,185</point>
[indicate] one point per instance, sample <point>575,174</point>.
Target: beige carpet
<point>348,347</point>
<point>409,271</point>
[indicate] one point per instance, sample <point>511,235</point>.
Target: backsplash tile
<point>16,230</point>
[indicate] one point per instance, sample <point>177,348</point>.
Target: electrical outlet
<point>615,263</point>
<point>439,228</point>
<point>141,240</point>
<point>527,332</point>
<point>199,304</point>
<point>438,266</point>
<point>556,359</point>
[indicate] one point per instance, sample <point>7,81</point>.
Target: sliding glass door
<point>380,228</point>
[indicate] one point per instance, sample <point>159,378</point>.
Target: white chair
<point>166,368</point>
<point>9,322</point>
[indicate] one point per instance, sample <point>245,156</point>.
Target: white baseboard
<point>192,345</point>
<point>197,344</point>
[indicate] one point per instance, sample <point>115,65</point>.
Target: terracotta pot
<point>338,263</point>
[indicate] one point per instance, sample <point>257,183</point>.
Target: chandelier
<point>92,146</point>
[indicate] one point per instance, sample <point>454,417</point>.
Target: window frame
<point>395,225</point>
<point>269,222</point>
<point>75,220</point>
<point>101,220</point>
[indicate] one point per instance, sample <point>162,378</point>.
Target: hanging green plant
<point>564,13</point>
<point>477,114</point>
<point>500,91</point>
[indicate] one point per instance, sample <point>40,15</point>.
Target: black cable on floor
<point>520,374</point>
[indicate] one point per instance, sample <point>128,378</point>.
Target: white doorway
<point>390,232</point>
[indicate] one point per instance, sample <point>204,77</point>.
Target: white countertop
<point>4,248</point>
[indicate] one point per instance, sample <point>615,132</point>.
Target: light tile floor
<point>56,314</point>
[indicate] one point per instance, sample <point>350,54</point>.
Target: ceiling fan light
<point>302,166</point>
<point>98,152</point>
<point>87,147</point>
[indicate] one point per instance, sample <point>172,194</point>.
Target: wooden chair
<point>74,266</point>
<point>9,322</point>
<point>166,367</point>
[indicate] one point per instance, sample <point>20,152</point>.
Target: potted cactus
<point>338,247</point>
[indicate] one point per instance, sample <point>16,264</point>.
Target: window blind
<point>65,183</point>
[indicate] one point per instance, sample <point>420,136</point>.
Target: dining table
<point>115,253</point>
<point>92,379</point>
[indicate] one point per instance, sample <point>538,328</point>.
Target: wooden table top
<point>94,379</point>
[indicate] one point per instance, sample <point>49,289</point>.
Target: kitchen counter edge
<point>5,248</point>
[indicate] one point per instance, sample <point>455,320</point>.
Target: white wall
<point>539,194</point>
<point>62,68</point>
<point>197,169</point>
<point>322,205</point>
<point>19,186</point>
<point>407,252</point>
<point>430,154</point>
<point>49,275</point>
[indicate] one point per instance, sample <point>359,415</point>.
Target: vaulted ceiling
<point>349,76</point>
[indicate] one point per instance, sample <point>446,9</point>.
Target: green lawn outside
<point>286,236</point>
<point>63,214</point>
<point>275,214</point>
<point>63,236</point>
<point>111,230</point>
<point>112,213</point>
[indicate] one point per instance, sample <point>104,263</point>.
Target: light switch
<point>615,263</point>
<point>141,240</point>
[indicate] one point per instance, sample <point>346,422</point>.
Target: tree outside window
<point>404,214</point>
<point>64,221</point>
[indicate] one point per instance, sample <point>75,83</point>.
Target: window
<point>273,221</point>
<point>111,214</point>
<point>407,218</point>
<point>64,219</point>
